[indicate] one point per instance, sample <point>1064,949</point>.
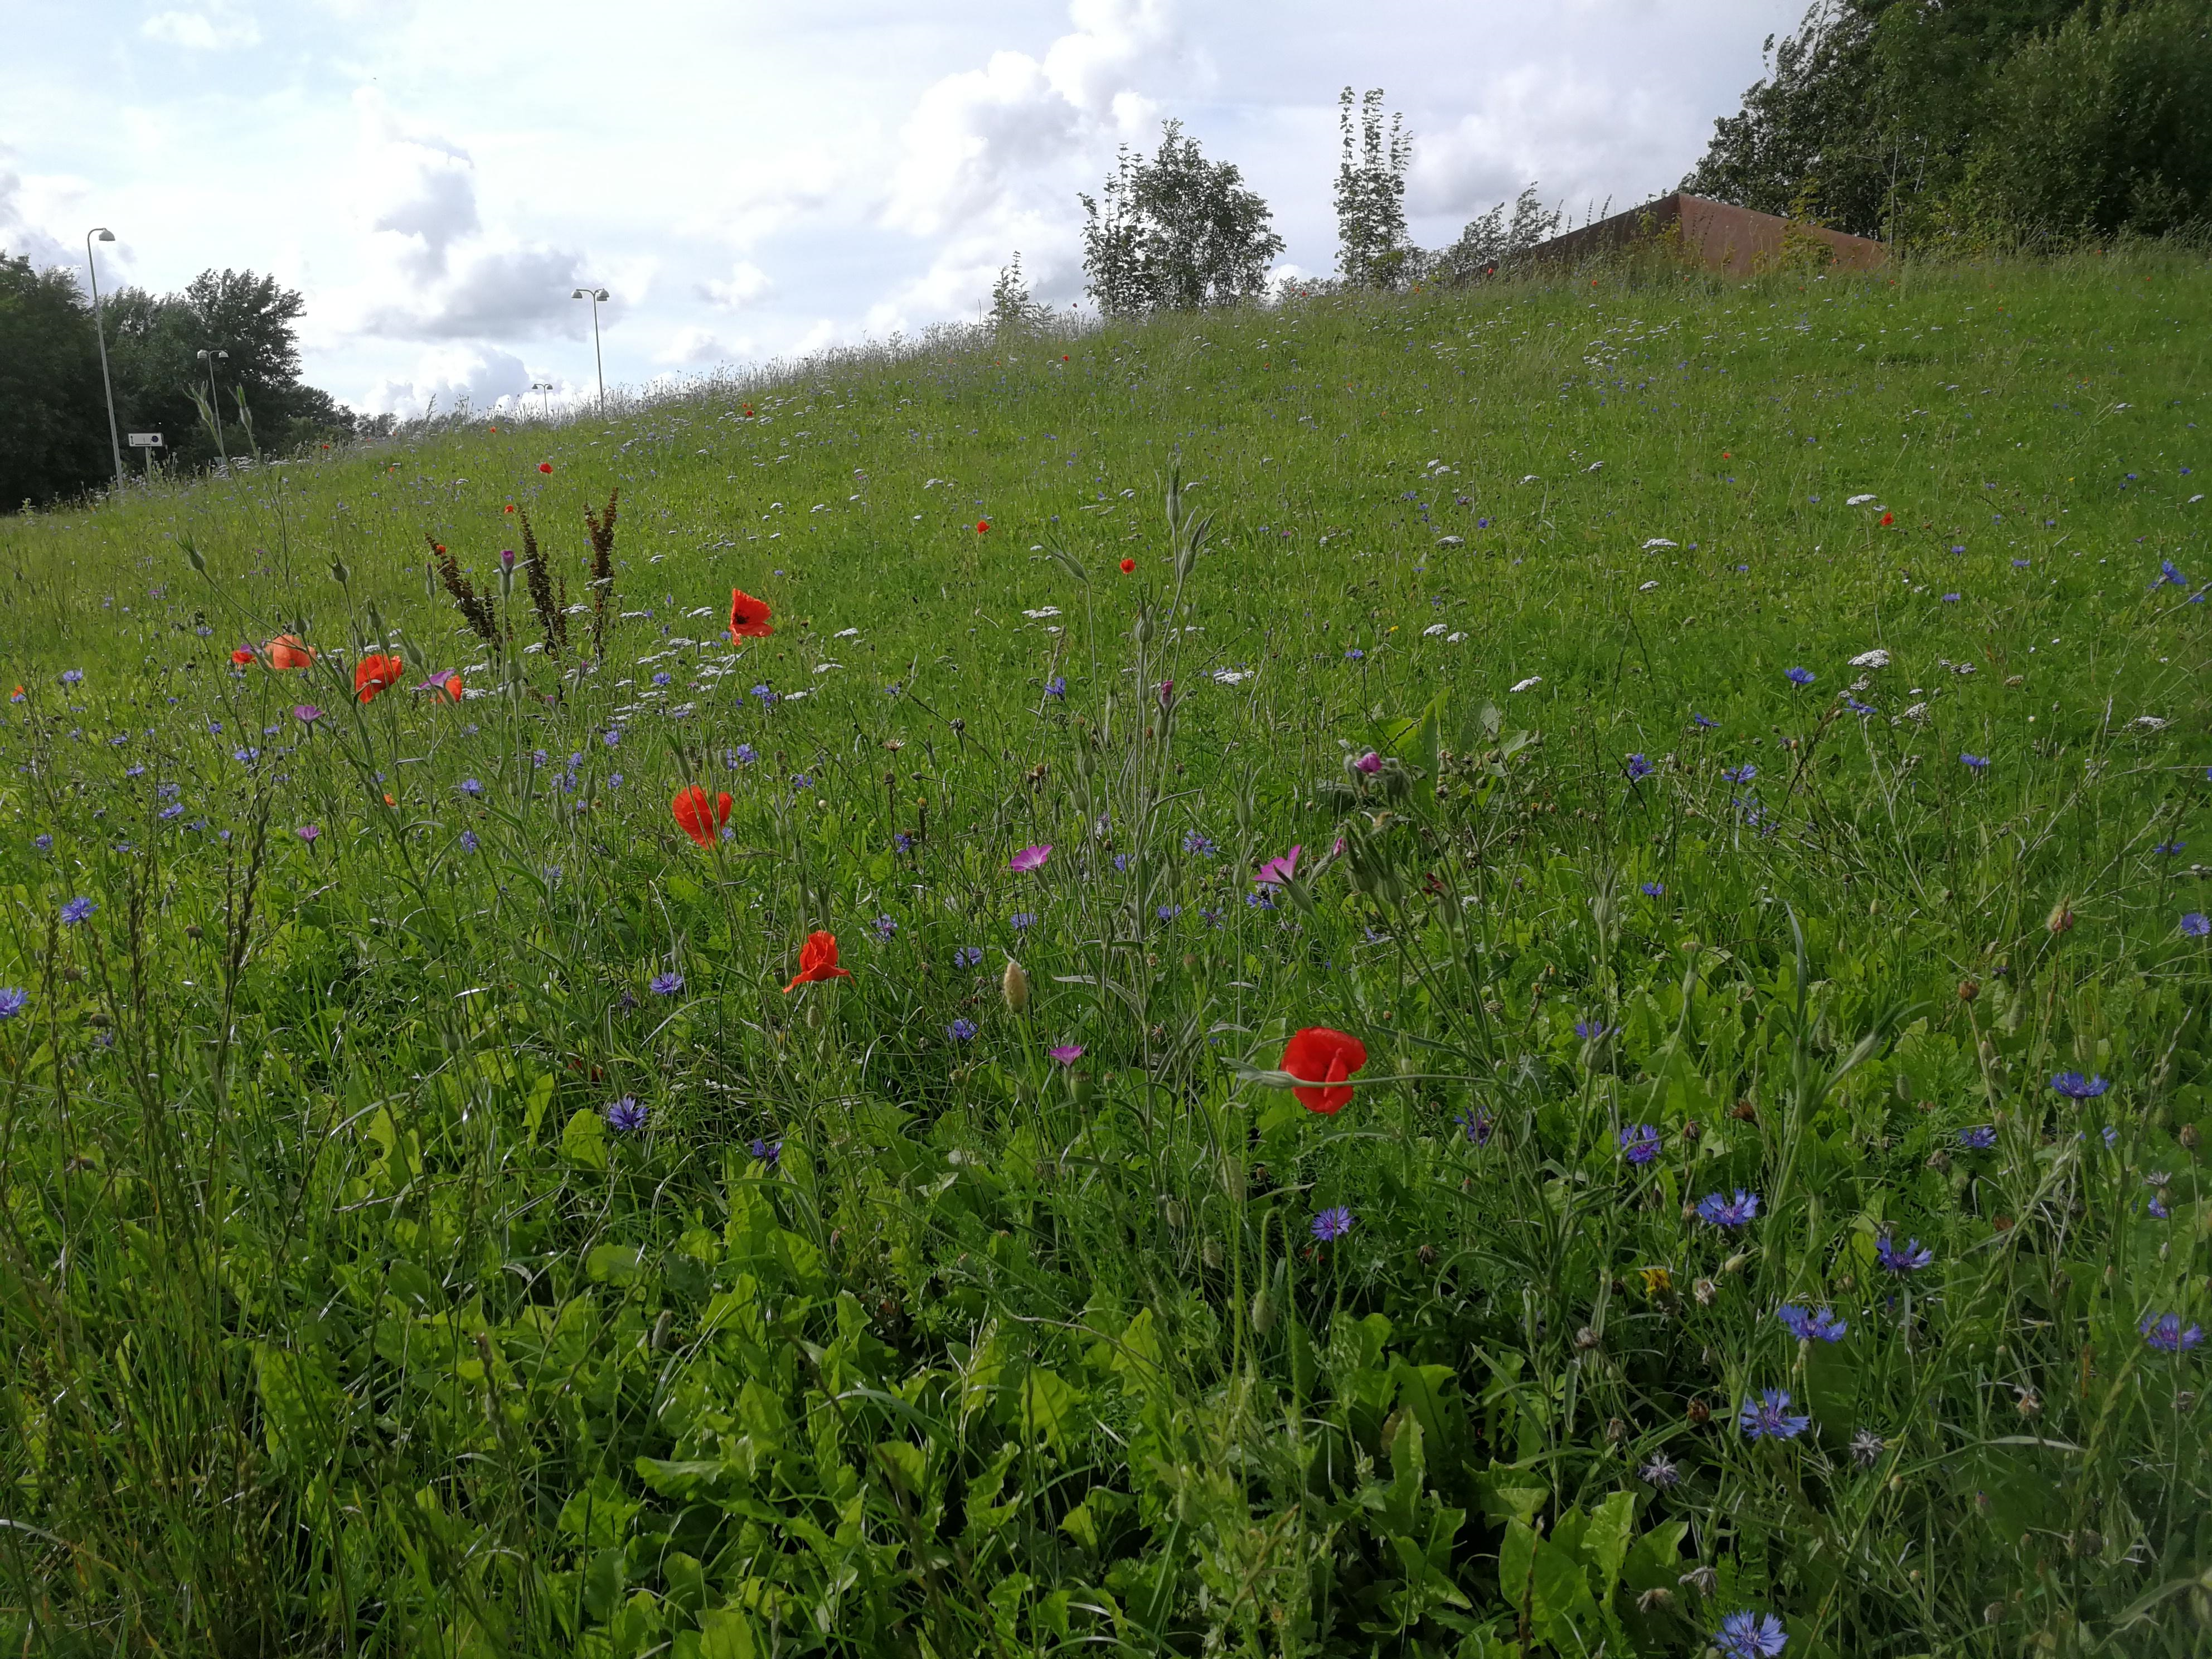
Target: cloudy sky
<point>753,181</point>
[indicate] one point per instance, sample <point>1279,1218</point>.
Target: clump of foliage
<point>1177,233</point>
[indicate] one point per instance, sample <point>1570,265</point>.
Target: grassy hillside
<point>1745,746</point>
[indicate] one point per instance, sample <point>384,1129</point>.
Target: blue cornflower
<point>1911,1259</point>
<point>802,781</point>
<point>2169,847</point>
<point>743,755</point>
<point>625,1115</point>
<point>1022,919</point>
<point>767,697</point>
<point>1475,1124</point>
<point>77,910</point>
<point>1260,898</point>
<point>1168,911</point>
<point>902,840</point>
<point>2164,1333</point>
<point>1640,1143</point>
<point>1197,845</point>
<point>1743,773</point>
<point>1591,1031</point>
<point>1858,708</point>
<point>247,756</point>
<point>2194,924</point>
<point>2074,1087</point>
<point>468,841</point>
<point>134,771</point>
<point>1979,1139</point>
<point>662,677</point>
<point>72,676</point>
<point>1768,1417</point>
<point>175,808</point>
<point>1121,860</point>
<point>1974,763</point>
<point>470,786</point>
<point>611,736</point>
<point>885,927</point>
<point>1355,655</point>
<point>1331,1224</point>
<point>1798,676</point>
<point>1950,598</point>
<point>1750,1636</point>
<point>1639,768</point>
<point>1056,686</point>
<point>961,1029</point>
<point>44,843</point>
<point>968,956</point>
<point>2168,575</point>
<point>1655,890</point>
<point>665,985</point>
<point>1806,1325</point>
<point>1729,1212</point>
<point>12,1002</point>
<point>893,691</point>
<point>1702,723</point>
<point>766,1152</point>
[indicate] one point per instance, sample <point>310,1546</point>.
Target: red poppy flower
<point>1318,1054</point>
<point>1888,517</point>
<point>982,525</point>
<point>545,466</point>
<point>818,961</point>
<point>748,616</point>
<point>376,672</point>
<point>241,656</point>
<point>696,818</point>
<point>1128,565</point>
<point>437,547</point>
<point>509,507</point>
<point>286,651</point>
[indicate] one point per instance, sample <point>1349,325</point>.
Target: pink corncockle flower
<point>1276,870</point>
<point>1067,1054</point>
<point>1166,691</point>
<point>1030,858</point>
<point>307,712</point>
<point>1370,763</point>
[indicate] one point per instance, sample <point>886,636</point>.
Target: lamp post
<point>101,232</point>
<point>211,358</point>
<point>545,399</point>
<point>596,295</point>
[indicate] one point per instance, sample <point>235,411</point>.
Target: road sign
<point>146,440</point>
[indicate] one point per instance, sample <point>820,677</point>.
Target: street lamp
<point>114,441</point>
<point>545,402</point>
<point>596,295</point>
<point>211,358</point>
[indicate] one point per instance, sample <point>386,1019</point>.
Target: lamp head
<point>102,234</point>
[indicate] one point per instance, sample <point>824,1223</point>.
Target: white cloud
<point>1563,130</point>
<point>449,377</point>
<point>745,283</point>
<point>21,238</point>
<point>694,348</point>
<point>217,29</point>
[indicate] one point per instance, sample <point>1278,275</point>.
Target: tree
<point>1177,232</point>
<point>1492,241</point>
<point>53,416</point>
<point>1372,247</point>
<point>1897,119</point>
<point>1012,307</point>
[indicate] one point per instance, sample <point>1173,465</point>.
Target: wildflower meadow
<point>1515,970</point>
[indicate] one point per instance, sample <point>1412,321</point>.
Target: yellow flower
<point>1657,1281</point>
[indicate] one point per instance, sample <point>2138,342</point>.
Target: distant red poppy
<point>376,672</point>
<point>749,617</point>
<point>696,818</point>
<point>1128,566</point>
<point>509,507</point>
<point>1318,1054</point>
<point>982,525</point>
<point>818,961</point>
<point>545,466</point>
<point>437,547</point>
<point>241,656</point>
<point>286,651</point>
<point>1888,517</point>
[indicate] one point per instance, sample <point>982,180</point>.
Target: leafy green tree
<point>1373,250</point>
<point>1177,232</point>
<point>53,418</point>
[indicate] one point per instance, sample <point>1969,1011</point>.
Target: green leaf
<point>584,1142</point>
<point>1051,1407</point>
<point>614,1264</point>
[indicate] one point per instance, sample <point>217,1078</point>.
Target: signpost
<point>148,441</point>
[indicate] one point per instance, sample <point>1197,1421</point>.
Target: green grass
<point>340,1319</point>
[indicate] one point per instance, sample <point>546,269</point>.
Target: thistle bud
<point>1015,986</point>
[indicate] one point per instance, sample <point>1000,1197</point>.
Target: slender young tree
<point>1373,250</point>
